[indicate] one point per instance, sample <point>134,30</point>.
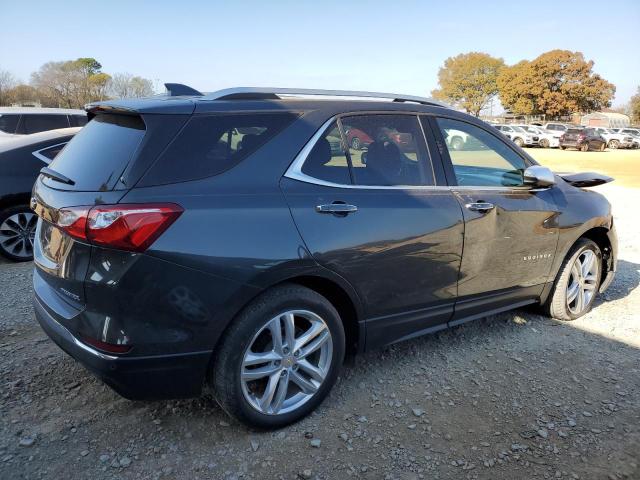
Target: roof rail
<point>258,93</point>
<point>178,89</point>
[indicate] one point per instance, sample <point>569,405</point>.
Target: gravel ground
<point>512,396</point>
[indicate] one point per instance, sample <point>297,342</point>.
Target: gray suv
<point>237,239</point>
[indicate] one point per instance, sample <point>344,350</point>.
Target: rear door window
<point>211,144</point>
<point>34,123</point>
<point>99,153</point>
<point>387,150</point>
<point>9,122</point>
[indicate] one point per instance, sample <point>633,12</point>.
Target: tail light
<point>132,227</point>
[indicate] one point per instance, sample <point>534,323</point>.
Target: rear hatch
<point>98,167</point>
<point>572,135</point>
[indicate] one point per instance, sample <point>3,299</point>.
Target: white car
<point>456,139</point>
<point>555,127</point>
<point>634,132</point>
<point>519,135</point>
<point>546,138</point>
<point>614,139</point>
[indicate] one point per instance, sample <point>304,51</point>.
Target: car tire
<point>519,142</point>
<point>561,147</point>
<point>560,305</point>
<point>250,339</point>
<point>355,143</point>
<point>602,147</point>
<point>457,143</point>
<point>584,147</point>
<point>17,233</point>
<point>544,143</point>
<point>614,144</point>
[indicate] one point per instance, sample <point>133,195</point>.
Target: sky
<point>392,46</point>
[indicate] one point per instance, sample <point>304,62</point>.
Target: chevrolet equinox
<point>236,239</point>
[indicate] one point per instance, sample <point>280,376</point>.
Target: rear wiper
<point>58,177</point>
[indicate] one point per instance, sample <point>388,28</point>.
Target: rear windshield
<point>211,144</point>
<point>575,130</point>
<point>99,153</point>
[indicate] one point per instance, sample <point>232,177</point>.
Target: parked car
<point>27,120</point>
<point>546,138</point>
<point>634,132</point>
<point>583,139</point>
<point>614,139</point>
<point>180,259</point>
<point>519,135</point>
<point>357,139</point>
<point>21,159</point>
<point>556,127</point>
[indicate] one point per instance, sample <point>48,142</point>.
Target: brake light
<point>132,227</point>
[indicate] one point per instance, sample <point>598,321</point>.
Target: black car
<point>584,139</point>
<point>194,254</point>
<point>21,159</point>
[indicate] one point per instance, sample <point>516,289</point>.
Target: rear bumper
<point>136,378</point>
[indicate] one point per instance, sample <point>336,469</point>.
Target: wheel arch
<point>324,282</point>
<point>344,302</point>
<point>602,237</point>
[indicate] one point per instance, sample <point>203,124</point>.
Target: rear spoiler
<point>585,179</point>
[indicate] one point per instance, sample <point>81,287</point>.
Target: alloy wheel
<point>582,282</point>
<point>17,234</point>
<point>286,362</point>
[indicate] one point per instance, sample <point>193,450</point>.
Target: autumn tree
<point>125,85</point>
<point>556,83</point>
<point>469,81</point>
<point>635,107</point>
<point>73,82</point>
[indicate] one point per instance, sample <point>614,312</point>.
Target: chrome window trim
<point>41,157</point>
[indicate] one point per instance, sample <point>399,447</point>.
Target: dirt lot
<point>513,396</point>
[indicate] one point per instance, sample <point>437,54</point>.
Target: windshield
<point>519,129</point>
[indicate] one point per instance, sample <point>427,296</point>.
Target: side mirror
<point>539,176</point>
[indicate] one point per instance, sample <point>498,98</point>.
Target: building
<point>605,119</point>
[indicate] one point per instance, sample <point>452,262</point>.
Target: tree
<point>7,82</point>
<point>469,81</point>
<point>556,83</point>
<point>635,107</point>
<point>125,85</point>
<point>73,83</point>
<point>23,94</point>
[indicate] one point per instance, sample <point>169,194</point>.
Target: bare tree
<point>125,85</point>
<point>7,82</point>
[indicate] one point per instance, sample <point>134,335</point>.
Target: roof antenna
<point>178,89</point>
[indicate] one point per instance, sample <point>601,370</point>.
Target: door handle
<point>338,208</point>
<point>480,206</point>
